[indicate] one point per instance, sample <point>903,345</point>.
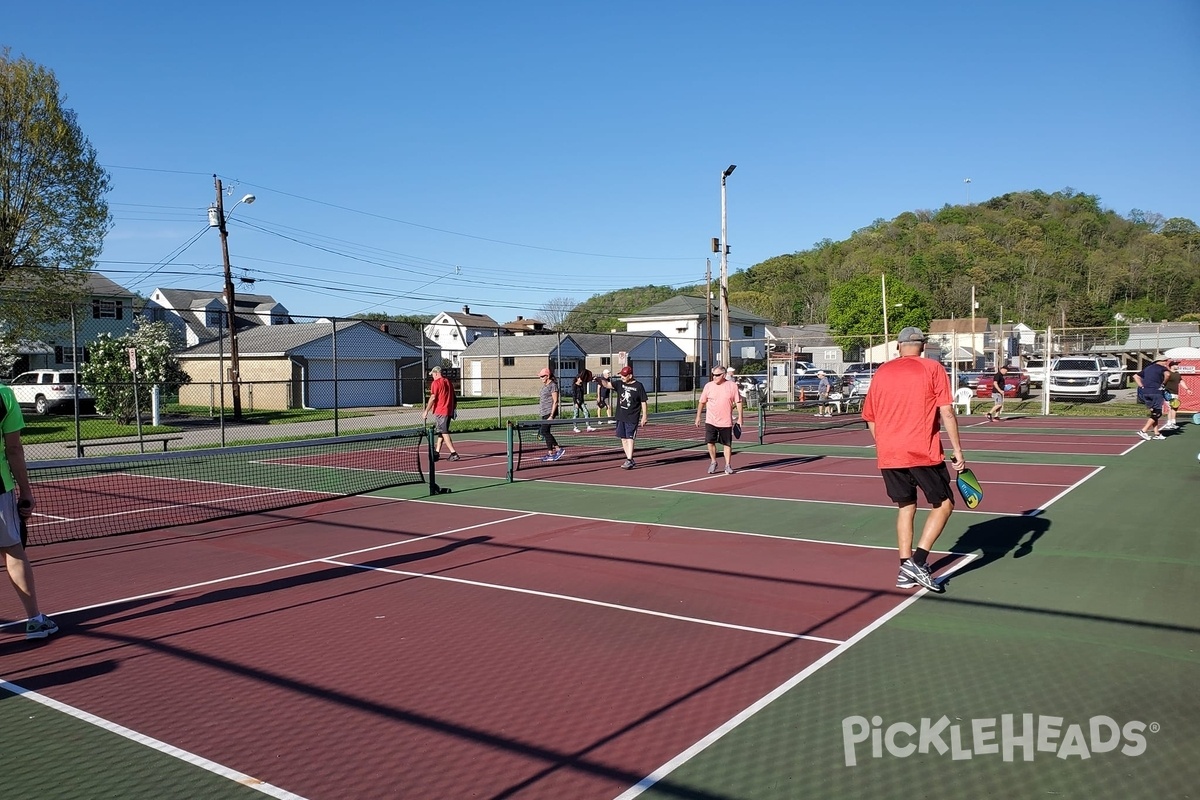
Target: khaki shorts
<point>10,526</point>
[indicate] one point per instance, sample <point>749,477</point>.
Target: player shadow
<point>994,539</point>
<point>41,681</point>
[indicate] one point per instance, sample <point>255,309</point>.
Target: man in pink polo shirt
<point>720,400</point>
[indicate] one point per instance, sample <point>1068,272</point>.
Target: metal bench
<point>83,446</point>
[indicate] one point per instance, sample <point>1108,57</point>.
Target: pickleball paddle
<point>737,430</point>
<point>969,488</point>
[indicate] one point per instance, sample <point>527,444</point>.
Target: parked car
<point>810,382</point>
<point>1036,369</point>
<point>47,390</point>
<point>857,377</point>
<point>971,379</point>
<point>1117,378</point>
<point>1016,381</point>
<point>1078,376</point>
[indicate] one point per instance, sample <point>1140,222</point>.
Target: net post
<point>509,435</point>
<point>762,422</point>
<point>429,439</point>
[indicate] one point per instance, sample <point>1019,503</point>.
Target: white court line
<point>757,497</point>
<point>727,727</point>
<point>280,568</point>
<point>152,743</point>
<point>588,602</point>
<point>1035,512</point>
<point>214,502</point>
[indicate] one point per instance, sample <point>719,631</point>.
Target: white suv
<point>1078,376</point>
<point>1117,379</point>
<point>45,390</point>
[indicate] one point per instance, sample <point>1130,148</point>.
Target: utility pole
<point>708,312</point>
<point>216,218</point>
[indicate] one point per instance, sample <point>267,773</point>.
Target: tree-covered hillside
<point>1037,258</point>
<point>1042,257</point>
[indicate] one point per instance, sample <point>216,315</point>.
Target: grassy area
<point>62,429</point>
<point>264,416</point>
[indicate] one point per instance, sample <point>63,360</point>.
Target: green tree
<point>856,310</point>
<point>107,375</point>
<point>53,216</point>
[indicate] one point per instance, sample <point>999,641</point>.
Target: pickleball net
<point>798,420</point>
<point>665,433</point>
<point>106,496</point>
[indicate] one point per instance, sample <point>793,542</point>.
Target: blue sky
<point>412,158</point>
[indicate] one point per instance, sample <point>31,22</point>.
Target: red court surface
<point>1010,488</point>
<point>366,647</point>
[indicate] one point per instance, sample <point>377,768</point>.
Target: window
<point>747,331</point>
<point>66,355</point>
<point>108,309</point>
<point>606,361</point>
<point>509,361</point>
<point>213,319</point>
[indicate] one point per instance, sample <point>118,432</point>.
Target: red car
<point>1016,381</point>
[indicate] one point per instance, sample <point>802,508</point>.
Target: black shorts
<point>715,435</point>
<point>1154,402</point>
<point>934,482</point>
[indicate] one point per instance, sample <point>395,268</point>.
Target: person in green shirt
<point>15,479</point>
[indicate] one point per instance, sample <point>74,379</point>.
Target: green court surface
<point>1063,662</point>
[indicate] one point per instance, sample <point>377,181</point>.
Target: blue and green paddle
<point>969,488</point>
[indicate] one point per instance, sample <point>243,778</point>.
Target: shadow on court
<point>995,539</point>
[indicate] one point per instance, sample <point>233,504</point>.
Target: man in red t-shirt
<point>441,405</point>
<point>907,398</point>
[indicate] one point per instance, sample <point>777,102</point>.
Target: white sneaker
<point>1144,435</point>
<point>1158,436</point>
<point>576,430</point>
<point>590,428</point>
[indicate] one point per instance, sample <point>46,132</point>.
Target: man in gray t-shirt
<point>548,409</point>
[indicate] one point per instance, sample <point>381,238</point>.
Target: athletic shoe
<point>437,456</point>
<point>453,457</point>
<point>1144,435</point>
<point>40,627</point>
<point>590,428</point>
<point>728,470</point>
<point>905,582</point>
<point>548,457</point>
<point>920,574</point>
<point>1170,426</point>
<point>1158,436</point>
<point>712,468</point>
<point>558,454</point>
<point>575,430</point>
<point>989,417</point>
<point>627,464</point>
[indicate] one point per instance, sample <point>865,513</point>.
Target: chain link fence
<point>296,377</point>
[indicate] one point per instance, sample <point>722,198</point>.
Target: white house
<point>693,322</point>
<point>201,316</point>
<point>456,331</point>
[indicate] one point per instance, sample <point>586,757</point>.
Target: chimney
<point>466,309</point>
<point>519,318</point>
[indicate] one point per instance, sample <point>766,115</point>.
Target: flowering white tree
<point>106,373</point>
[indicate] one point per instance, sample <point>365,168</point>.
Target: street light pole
<point>218,219</point>
<point>725,273</point>
<point>887,350</point>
